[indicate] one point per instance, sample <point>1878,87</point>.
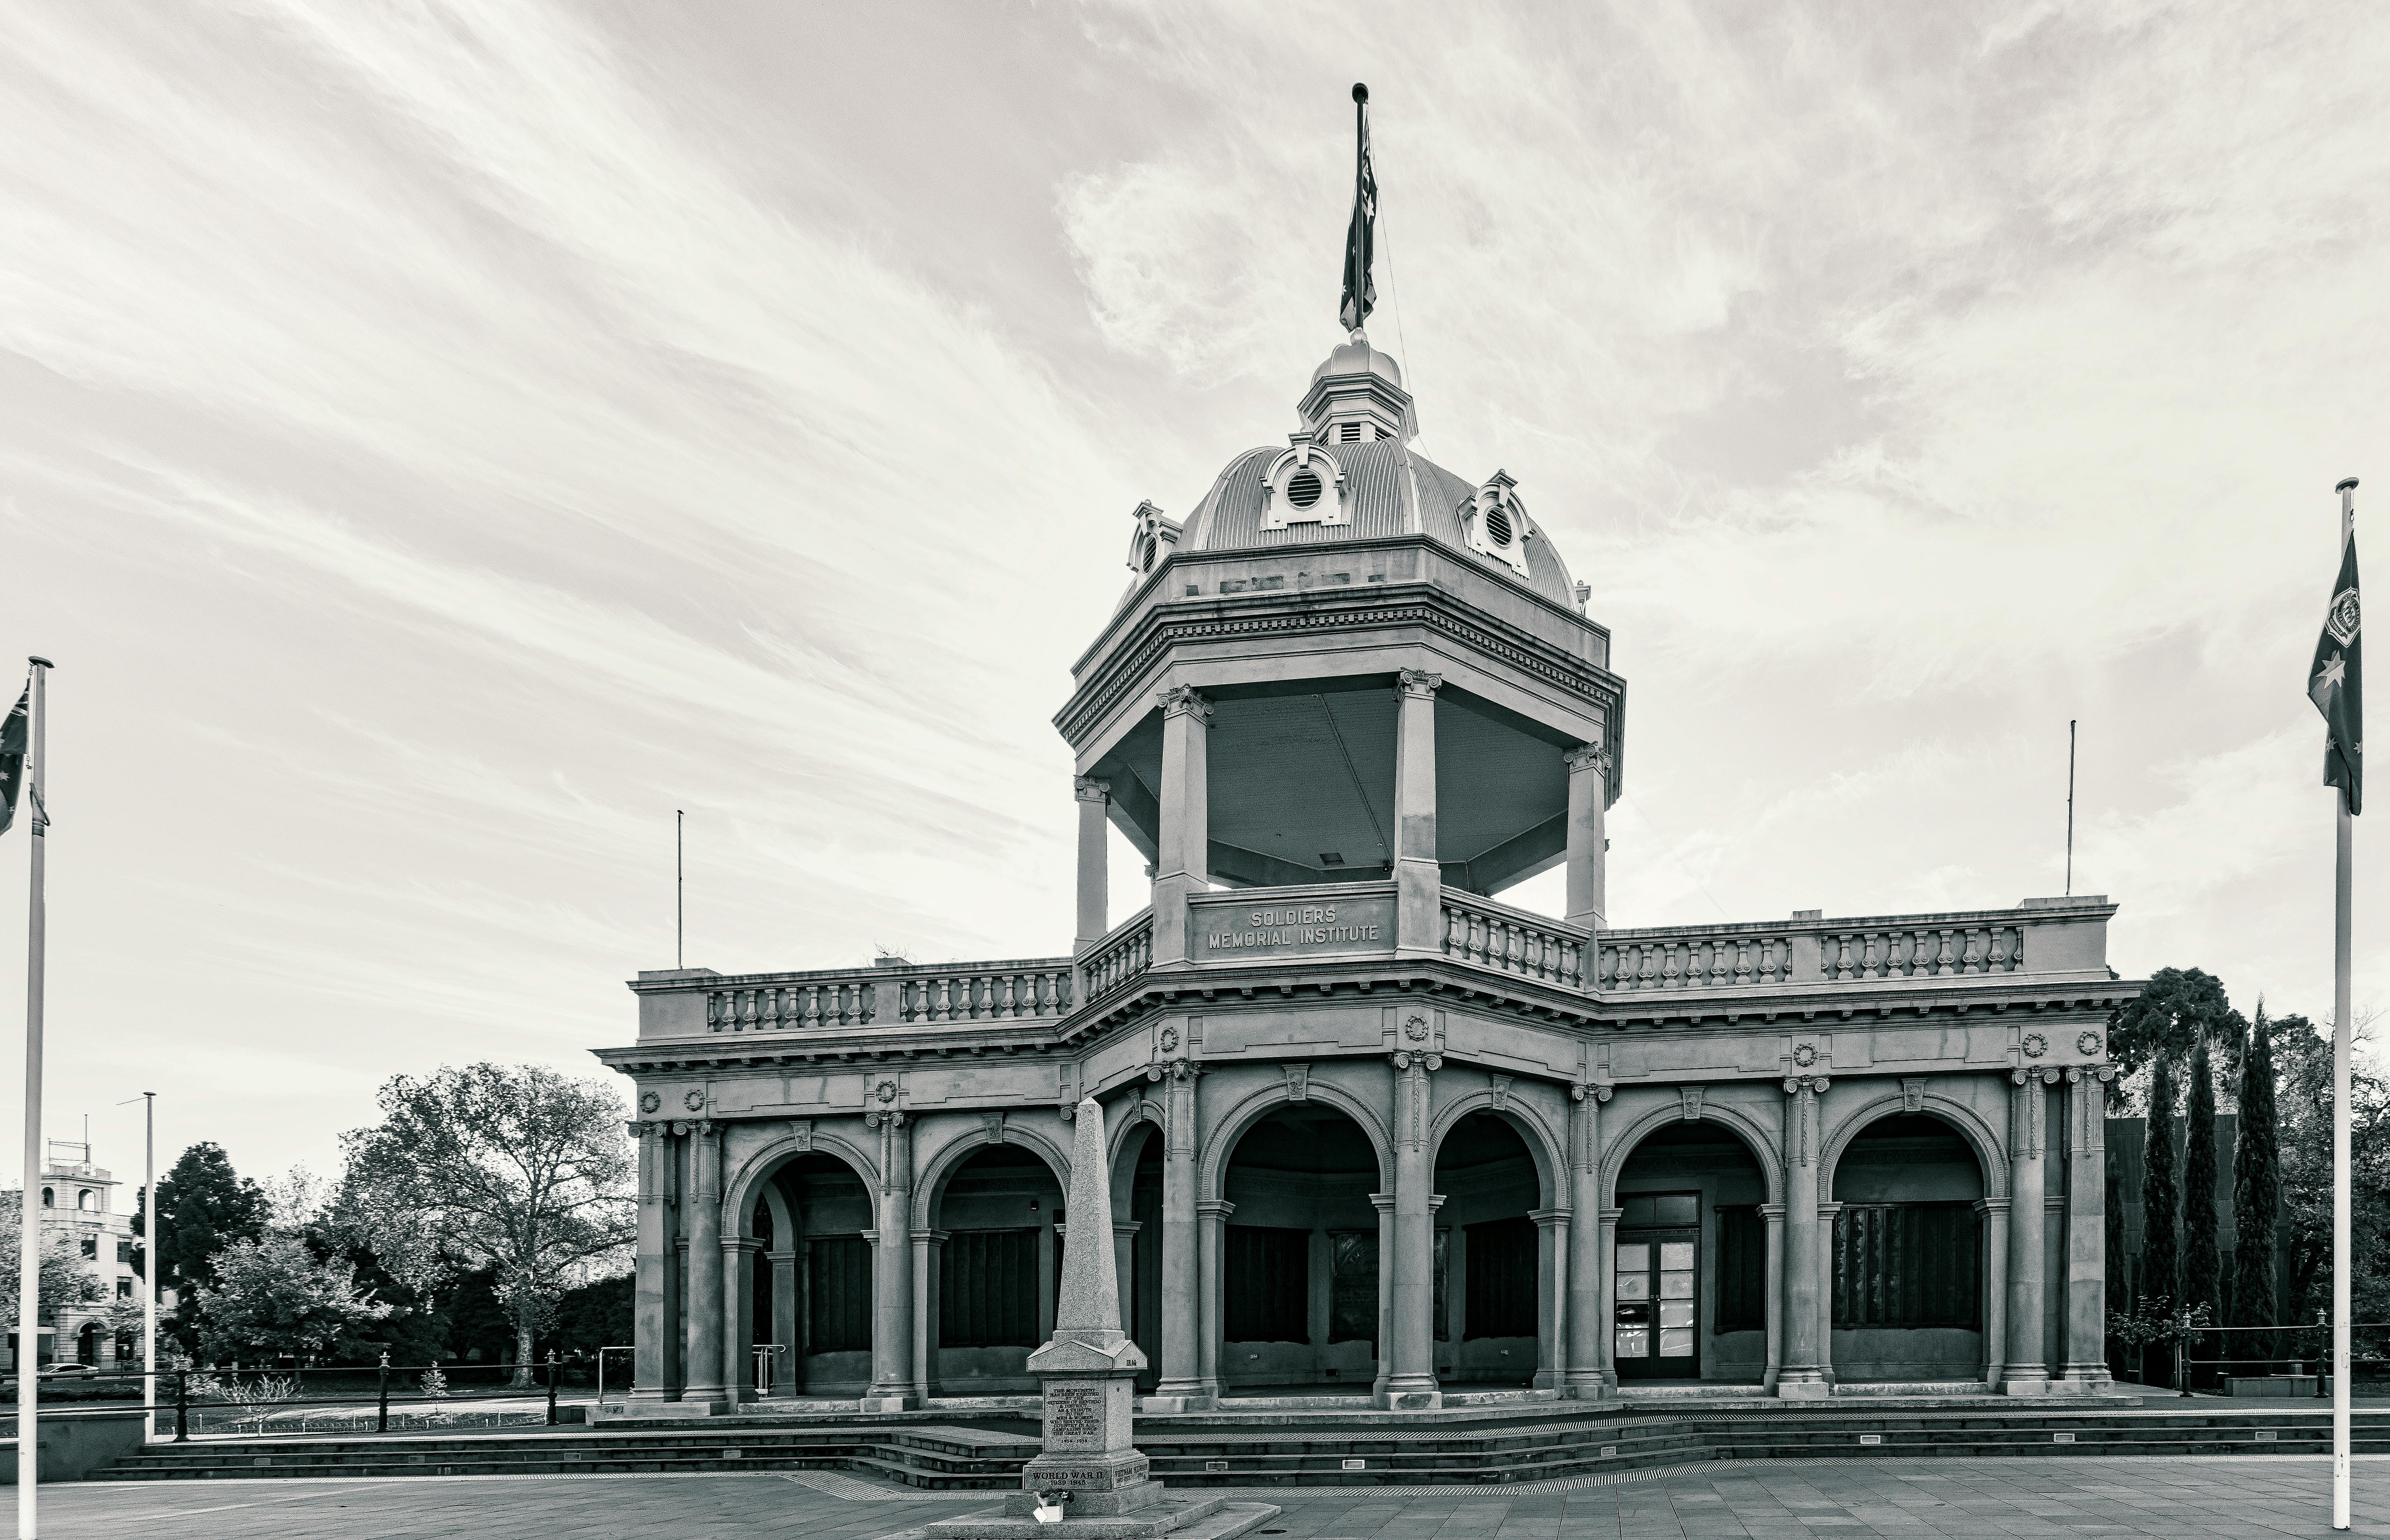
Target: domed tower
<point>1351,677</point>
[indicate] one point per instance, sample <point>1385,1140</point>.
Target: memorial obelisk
<point>1089,1481</point>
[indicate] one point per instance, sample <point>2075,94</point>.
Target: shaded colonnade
<point>1300,1302</point>
<point>1909,1268</point>
<point>1493,1302</point>
<point>1695,1253</point>
<point>993,1256</point>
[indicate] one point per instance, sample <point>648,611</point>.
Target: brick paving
<point>2247,1498</point>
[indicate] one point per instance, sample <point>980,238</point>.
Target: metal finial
<point>1360,92</point>
<point>2346,484</point>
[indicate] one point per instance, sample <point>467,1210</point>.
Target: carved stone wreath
<point>887,1091</point>
<point>694,1101</point>
<point>2035,1045</point>
<point>2088,1044</point>
<point>1416,1029</point>
<point>1169,1039</point>
<point>1805,1055</point>
<point>649,1101</point>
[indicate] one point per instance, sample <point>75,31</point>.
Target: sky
<point>439,441</point>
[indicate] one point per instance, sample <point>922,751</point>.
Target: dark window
<point>1742,1269</point>
<point>1502,1299</point>
<point>839,1315</point>
<point>1908,1264</point>
<point>91,1247</point>
<point>124,1253</point>
<point>1353,1299</point>
<point>987,1288</point>
<point>1268,1285</point>
<point>1660,1207</point>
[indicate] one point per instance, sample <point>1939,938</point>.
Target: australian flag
<point>12,759</point>
<point>1360,291</point>
<point>2335,683</point>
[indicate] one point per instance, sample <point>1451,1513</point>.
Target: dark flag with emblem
<point>12,759</point>
<point>1360,293</point>
<point>2335,683</point>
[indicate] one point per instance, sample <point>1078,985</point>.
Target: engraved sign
<point>1326,928</point>
<point>1074,1417</point>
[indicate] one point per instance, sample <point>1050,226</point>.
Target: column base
<point>1170,1405</point>
<point>2033,1381</point>
<point>1412,1393</point>
<point>1802,1385</point>
<point>902,1401</point>
<point>2083,1380</point>
<point>676,1410</point>
<point>1584,1385</point>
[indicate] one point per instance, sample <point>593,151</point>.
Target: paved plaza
<point>2240,1497</point>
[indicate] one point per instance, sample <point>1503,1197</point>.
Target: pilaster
<point>1181,1375</point>
<point>1773,1214</point>
<point>1212,1218</point>
<point>1802,1375</point>
<point>654,1322</point>
<point>1552,1297</point>
<point>1995,1213</point>
<point>2087,1229</point>
<point>1384,1346</point>
<point>1588,1281</point>
<point>707,1331</point>
<point>2028,1356</point>
<point>1412,1385</point>
<point>929,1256</point>
<point>892,1371</point>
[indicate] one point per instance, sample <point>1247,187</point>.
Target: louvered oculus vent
<point>1498,524</point>
<point>1145,564</point>
<point>1303,489</point>
<point>1349,434</point>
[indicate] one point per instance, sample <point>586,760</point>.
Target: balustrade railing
<point>1695,961</point>
<point>1898,950</point>
<point>985,995</point>
<point>1120,956</point>
<point>771,1008</point>
<point>1512,940</point>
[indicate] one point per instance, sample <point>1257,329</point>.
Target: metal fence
<point>221,1398</point>
<point>2210,1361</point>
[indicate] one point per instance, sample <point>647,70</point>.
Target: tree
<point>2113,1223</point>
<point>2202,1260</point>
<point>520,1169</point>
<point>202,1208</point>
<point>2302,1053</point>
<point>2178,1009</point>
<point>2161,1242</point>
<point>2256,1199</point>
<point>272,1296</point>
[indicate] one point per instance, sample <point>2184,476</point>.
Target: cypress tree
<point>2161,1212</point>
<point>2202,1258</point>
<point>2256,1197</point>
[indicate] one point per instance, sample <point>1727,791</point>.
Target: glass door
<point>1655,1294</point>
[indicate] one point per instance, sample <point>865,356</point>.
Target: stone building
<point>1376,1131</point>
<point>78,1201</point>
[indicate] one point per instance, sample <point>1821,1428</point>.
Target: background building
<point>78,1201</point>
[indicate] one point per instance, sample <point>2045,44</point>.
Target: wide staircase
<point>1477,1447</point>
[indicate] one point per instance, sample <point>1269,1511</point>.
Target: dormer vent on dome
<point>1357,397</point>
<point>1150,543</point>
<point>1306,486</point>
<point>1494,523</point>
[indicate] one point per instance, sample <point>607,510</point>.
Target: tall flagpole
<point>149,1265</point>
<point>2344,866</point>
<point>29,1239</point>
<point>2069,807</point>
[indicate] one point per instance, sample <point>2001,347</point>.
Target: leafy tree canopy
<point>273,1297</point>
<point>2181,1009</point>
<point>202,1208</point>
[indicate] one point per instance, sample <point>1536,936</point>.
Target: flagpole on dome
<point>2335,683</point>
<point>29,752</point>
<point>1360,291</point>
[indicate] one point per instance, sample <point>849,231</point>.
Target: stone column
<point>1802,1375</point>
<point>893,1374</point>
<point>1385,1203</point>
<point>1212,1218</point>
<point>739,1314</point>
<point>1182,847</point>
<point>2028,1357</point>
<point>1996,1288</point>
<point>1095,863</point>
<point>1412,1385</point>
<point>1182,1373</point>
<point>1827,1214</point>
<point>652,1324</point>
<point>1588,858</point>
<point>1774,1214</point>
<point>1124,1265</point>
<point>929,1255</point>
<point>703,1353</point>
<point>784,1316</point>
<point>1588,1281</point>
<point>2087,1230</point>
<point>1418,879</point>
<point>1552,1297</point>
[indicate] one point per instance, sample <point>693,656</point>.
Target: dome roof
<point>1395,490</point>
<point>1355,356</point>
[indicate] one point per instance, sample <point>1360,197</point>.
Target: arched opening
<point>811,1300</point>
<point>1909,1253</point>
<point>1299,1306</point>
<point>1688,1273</point>
<point>1137,1208</point>
<point>992,1290</point>
<point>1491,1310</point>
<point>87,1343</point>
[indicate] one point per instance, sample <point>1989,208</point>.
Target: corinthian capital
<point>1186,701</point>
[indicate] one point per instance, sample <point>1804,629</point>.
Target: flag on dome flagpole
<point>12,758</point>
<point>2336,685</point>
<point>1360,293</point>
